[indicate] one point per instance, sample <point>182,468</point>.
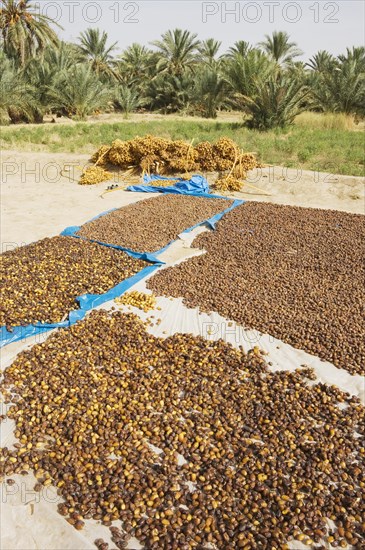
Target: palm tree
<point>271,96</point>
<point>276,101</point>
<point>136,66</point>
<point>240,73</point>
<point>241,47</point>
<point>211,92</point>
<point>209,50</point>
<point>128,99</point>
<point>321,61</point>
<point>42,73</point>
<point>135,56</point>
<point>79,92</point>
<point>356,54</point>
<point>93,49</point>
<point>61,58</point>
<point>170,93</point>
<point>25,32</point>
<point>279,47</point>
<point>342,89</point>
<point>16,94</point>
<point>177,51</point>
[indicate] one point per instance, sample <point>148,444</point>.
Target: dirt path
<point>39,194</point>
<point>224,116</point>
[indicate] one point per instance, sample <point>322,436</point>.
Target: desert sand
<point>40,197</point>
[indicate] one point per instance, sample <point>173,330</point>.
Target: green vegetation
<point>24,31</point>
<point>330,147</point>
<point>177,74</point>
<point>291,113</point>
<point>327,121</point>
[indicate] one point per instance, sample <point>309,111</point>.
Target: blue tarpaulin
<point>73,229</point>
<point>89,301</point>
<point>86,301</point>
<point>197,185</point>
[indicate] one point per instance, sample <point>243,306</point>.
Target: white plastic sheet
<point>30,520</point>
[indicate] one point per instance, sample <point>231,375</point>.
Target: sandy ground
<point>38,201</point>
<point>224,116</point>
<point>306,119</point>
<point>39,194</point>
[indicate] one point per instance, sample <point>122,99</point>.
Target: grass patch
<point>312,143</point>
<point>326,121</point>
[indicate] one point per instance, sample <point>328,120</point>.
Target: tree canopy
<point>176,73</point>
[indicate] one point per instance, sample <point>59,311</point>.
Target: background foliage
<point>178,73</point>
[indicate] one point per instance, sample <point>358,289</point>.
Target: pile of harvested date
<point>249,458</point>
<point>151,224</point>
<point>162,183</point>
<point>141,300</point>
<point>41,281</point>
<point>93,175</point>
<point>164,156</point>
<point>228,183</point>
<point>295,273</point>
